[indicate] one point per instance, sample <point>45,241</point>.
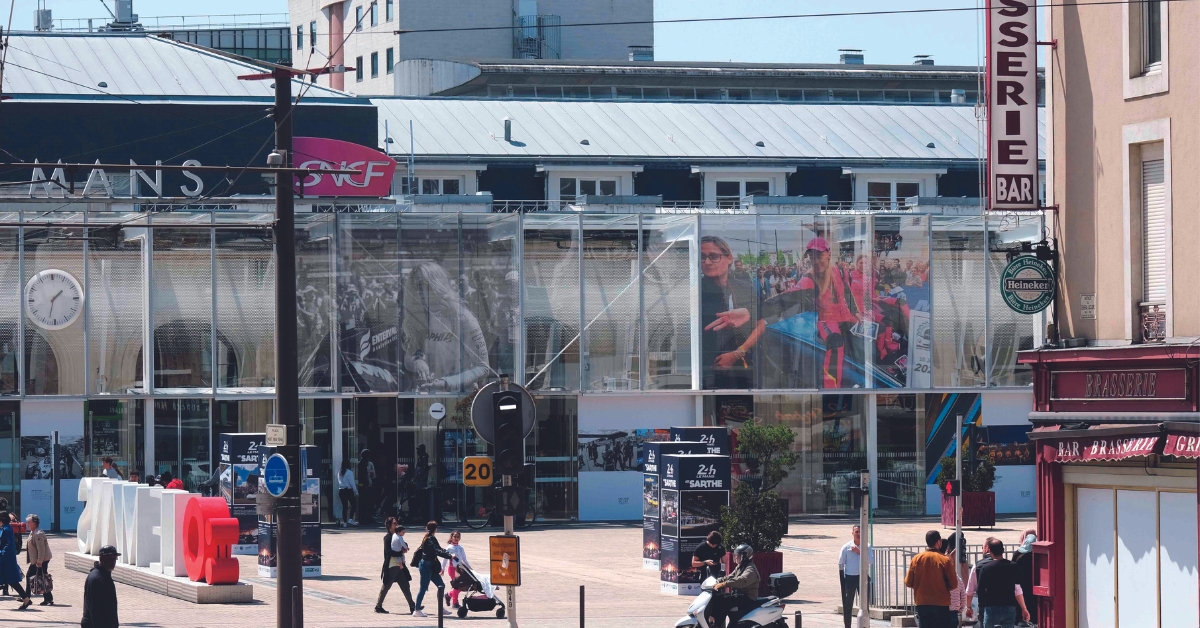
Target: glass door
<point>552,445</point>
<point>316,418</point>
<point>369,444</point>
<point>182,440</point>
<point>10,454</point>
<point>115,427</point>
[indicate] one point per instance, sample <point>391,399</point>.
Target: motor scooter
<point>767,612</point>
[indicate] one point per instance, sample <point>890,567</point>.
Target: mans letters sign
<point>1012,104</point>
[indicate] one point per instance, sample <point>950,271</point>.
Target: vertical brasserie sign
<point>1012,104</point>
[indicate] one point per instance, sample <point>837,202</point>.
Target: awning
<point>1101,442</point>
<point>1113,417</point>
<point>1182,440</point>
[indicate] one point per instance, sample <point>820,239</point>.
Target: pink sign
<point>1182,446</point>
<point>376,170</point>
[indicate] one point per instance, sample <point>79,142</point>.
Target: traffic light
<point>953,488</point>
<point>510,437</point>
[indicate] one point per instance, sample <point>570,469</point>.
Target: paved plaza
<point>556,561</point>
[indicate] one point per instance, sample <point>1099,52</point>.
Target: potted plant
<point>758,516</point>
<point>978,500</point>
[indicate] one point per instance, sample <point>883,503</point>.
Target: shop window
<point>182,440</point>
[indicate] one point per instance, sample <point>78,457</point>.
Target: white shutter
<point>1154,231</point>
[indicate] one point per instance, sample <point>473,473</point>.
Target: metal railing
<point>889,567</point>
<point>1154,322</point>
<point>179,22</point>
<point>744,207</point>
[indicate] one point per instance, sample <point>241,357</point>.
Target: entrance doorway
<point>182,440</point>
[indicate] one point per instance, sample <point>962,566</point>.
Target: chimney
<point>958,96</point>
<point>507,129</point>
<point>922,60</point>
<point>850,56</point>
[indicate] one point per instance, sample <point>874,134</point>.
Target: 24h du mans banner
<point>1012,104</point>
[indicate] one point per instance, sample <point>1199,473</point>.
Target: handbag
<point>41,584</point>
<point>416,559</point>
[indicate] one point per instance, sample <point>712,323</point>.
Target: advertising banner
<point>1012,104</point>
<point>717,438</point>
<point>652,456</point>
<point>310,530</point>
<point>239,475</point>
<point>694,488</point>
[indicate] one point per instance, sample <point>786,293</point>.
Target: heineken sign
<point>1027,285</point>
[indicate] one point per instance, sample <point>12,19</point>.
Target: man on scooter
<point>742,584</point>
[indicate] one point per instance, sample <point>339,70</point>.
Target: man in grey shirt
<point>849,570</point>
<point>110,469</point>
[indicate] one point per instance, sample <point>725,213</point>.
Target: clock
<point>53,299</point>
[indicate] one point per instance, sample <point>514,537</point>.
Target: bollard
<point>441,606</point>
<point>297,608</point>
<point>799,620</point>
<point>581,606</point>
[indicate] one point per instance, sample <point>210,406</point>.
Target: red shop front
<point>1117,439</point>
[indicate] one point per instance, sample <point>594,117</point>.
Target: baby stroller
<point>479,594</point>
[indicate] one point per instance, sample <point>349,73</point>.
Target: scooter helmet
<point>743,552</point>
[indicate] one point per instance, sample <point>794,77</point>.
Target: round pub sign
<point>1027,285</point>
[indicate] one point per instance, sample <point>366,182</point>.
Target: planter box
<point>978,509</point>
<point>767,563</point>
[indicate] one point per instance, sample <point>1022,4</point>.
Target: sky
<point>889,39</point>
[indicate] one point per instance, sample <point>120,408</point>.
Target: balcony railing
<point>1154,322</point>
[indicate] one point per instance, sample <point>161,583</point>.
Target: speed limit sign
<point>477,471</point>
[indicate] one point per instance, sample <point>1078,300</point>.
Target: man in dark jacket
<point>100,593</point>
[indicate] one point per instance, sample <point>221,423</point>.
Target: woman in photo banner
<point>728,303</point>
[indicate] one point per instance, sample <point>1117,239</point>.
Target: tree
<point>758,517</point>
<point>978,480</point>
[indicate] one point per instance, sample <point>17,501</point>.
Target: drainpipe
<point>337,20</point>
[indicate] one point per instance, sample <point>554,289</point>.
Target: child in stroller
<point>479,596</point>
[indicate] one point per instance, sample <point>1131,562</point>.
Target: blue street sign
<point>277,476</point>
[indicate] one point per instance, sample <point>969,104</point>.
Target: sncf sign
<point>376,170</point>
<point>1012,104</point>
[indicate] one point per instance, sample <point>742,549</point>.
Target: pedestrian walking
<point>110,469</point>
<point>348,493</point>
<point>395,570</point>
<point>10,572</point>
<point>449,565</point>
<point>38,555</point>
<point>135,476</point>
<point>100,593</point>
<point>366,490</point>
<point>708,556</point>
<point>955,549</point>
<point>1023,562</point>
<point>931,576</point>
<point>426,559</point>
<point>1000,596</point>
<point>850,568</point>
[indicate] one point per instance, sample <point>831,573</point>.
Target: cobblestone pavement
<point>557,560</point>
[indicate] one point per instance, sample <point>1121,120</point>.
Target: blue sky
<point>949,37</point>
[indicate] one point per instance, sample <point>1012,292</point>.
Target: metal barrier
<point>889,567</point>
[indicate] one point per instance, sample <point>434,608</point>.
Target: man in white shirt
<point>848,568</point>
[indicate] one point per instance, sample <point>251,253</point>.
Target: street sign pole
<point>289,608</point>
<point>864,544</point>
<point>958,547</point>
<point>509,530</point>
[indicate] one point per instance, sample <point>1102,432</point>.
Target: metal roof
<point>70,66</point>
<point>454,128</point>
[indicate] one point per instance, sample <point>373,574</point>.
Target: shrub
<point>758,517</point>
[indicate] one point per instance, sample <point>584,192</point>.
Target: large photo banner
<point>239,482</point>
<point>694,489</point>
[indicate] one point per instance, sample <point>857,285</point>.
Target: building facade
<point>1115,419</point>
<point>585,249</point>
<point>378,34</point>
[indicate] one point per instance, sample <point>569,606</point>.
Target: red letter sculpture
<point>208,534</point>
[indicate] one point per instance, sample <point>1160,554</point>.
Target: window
<point>730,193</point>
<point>374,14</point>
<point>389,11</point>
<point>358,69</point>
<point>441,186</point>
<point>891,194</point>
<point>300,37</point>
<point>374,65</point>
<point>1151,35</point>
<point>358,18</point>
<point>312,33</point>
<point>1154,232</point>
<point>390,62</point>
<point>570,187</point>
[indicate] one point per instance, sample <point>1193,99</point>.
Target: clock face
<point>53,299</point>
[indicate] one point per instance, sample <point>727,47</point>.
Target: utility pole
<point>959,547</point>
<point>289,608</point>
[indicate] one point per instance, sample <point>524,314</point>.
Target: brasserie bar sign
<point>1120,385</point>
<point>1071,450</point>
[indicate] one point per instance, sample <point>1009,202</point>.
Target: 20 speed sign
<point>477,471</point>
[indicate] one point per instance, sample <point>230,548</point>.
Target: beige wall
<point>1092,123</point>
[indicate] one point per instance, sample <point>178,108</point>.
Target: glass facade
<point>787,318</point>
